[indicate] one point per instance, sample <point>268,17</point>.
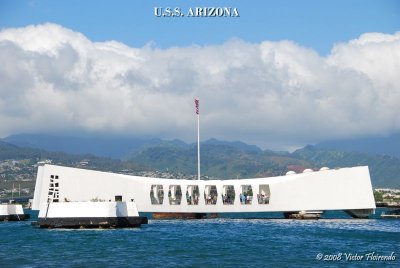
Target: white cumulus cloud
<point>273,94</point>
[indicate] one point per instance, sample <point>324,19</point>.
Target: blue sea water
<point>220,242</point>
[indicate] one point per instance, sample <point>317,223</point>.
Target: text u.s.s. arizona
<point>196,12</point>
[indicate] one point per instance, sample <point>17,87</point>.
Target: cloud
<point>273,94</point>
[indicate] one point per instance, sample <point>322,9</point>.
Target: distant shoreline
<point>386,205</point>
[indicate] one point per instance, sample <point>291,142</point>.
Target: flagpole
<point>197,104</point>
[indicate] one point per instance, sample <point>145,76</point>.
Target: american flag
<point>196,103</point>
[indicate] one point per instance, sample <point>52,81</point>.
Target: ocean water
<point>221,242</point>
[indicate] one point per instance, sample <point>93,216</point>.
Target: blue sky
<point>311,23</point>
<point>282,75</point>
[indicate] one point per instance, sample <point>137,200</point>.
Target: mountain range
<point>220,159</point>
<point>389,145</point>
<point>116,148</point>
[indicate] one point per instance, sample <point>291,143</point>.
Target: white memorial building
<point>347,189</point>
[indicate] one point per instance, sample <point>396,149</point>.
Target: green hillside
<point>12,152</point>
<point>227,162</point>
<point>218,160</point>
<point>384,170</point>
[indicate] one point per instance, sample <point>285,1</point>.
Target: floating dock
<point>75,215</point>
<point>12,212</point>
<point>391,214</point>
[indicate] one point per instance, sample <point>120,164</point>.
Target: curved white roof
<point>307,191</point>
